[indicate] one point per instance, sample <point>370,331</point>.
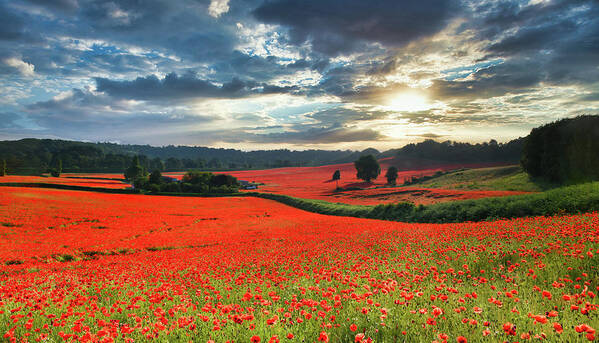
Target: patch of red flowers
<point>90,267</point>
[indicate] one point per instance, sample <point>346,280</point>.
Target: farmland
<point>101,267</point>
<point>316,183</point>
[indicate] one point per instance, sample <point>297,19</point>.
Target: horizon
<point>299,75</point>
<point>248,151</point>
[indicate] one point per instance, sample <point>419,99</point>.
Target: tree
<point>564,151</point>
<point>367,168</point>
<point>157,164</point>
<point>197,177</point>
<point>391,175</point>
<point>135,170</point>
<point>173,164</point>
<point>223,180</point>
<point>3,168</point>
<point>56,167</point>
<point>337,177</point>
<point>156,177</point>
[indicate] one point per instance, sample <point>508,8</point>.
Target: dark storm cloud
<point>336,26</point>
<point>174,86</point>
<point>560,37</point>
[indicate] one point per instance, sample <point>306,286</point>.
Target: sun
<point>409,102</point>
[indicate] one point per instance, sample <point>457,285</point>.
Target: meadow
<point>86,266</point>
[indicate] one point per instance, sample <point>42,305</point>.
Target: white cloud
<point>218,7</point>
<point>26,69</point>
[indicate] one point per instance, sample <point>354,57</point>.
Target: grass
<point>509,178</point>
<point>568,199</point>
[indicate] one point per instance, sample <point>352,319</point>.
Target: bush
<point>197,177</point>
<point>224,180</point>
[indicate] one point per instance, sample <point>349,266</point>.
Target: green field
<point>507,178</point>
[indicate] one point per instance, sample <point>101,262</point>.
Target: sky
<point>303,74</point>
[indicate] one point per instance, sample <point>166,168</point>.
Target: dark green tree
<point>564,151</point>
<point>224,180</point>
<point>197,177</point>
<point>337,177</point>
<point>173,164</point>
<point>3,168</point>
<point>156,177</point>
<point>135,170</point>
<point>56,168</point>
<point>391,175</point>
<point>156,164</point>
<point>367,168</point>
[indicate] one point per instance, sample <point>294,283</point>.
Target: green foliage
<point>135,170</point>
<point>56,166</point>
<point>197,177</point>
<point>391,175</point>
<point>193,181</point>
<point>506,178</point>
<point>367,168</point>
<point>457,152</point>
<point>570,199</point>
<point>156,177</point>
<point>227,180</point>
<point>3,168</point>
<point>564,151</point>
<point>33,156</point>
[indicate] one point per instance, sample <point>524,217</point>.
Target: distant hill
<point>34,156</point>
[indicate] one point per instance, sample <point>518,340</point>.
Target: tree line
<point>37,156</point>
<point>565,151</point>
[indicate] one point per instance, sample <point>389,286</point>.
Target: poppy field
<point>317,183</point>
<point>91,267</point>
<point>88,181</point>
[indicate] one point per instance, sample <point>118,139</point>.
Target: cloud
<point>173,86</point>
<point>85,115</point>
<point>335,26</point>
<point>321,135</point>
<point>218,8</point>
<point>24,68</point>
<point>8,120</point>
<point>510,77</point>
<point>62,5</point>
<point>305,69</point>
<point>11,25</point>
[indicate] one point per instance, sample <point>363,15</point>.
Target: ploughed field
<point>84,266</point>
